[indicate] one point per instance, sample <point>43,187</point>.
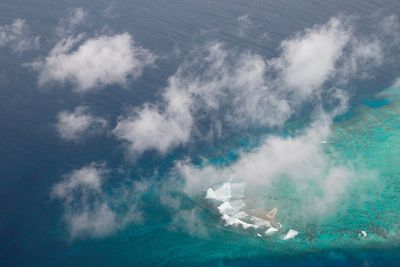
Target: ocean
<point>332,173</point>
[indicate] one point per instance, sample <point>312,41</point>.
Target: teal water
<point>368,142</point>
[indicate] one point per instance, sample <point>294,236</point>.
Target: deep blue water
<point>33,157</point>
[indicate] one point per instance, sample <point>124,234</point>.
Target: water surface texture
<point>117,116</point>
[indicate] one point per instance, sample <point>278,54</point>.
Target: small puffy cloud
<point>332,53</point>
<point>91,212</point>
<point>111,10</point>
<point>95,63</point>
<point>17,37</point>
<point>309,59</point>
<point>396,83</point>
<point>185,217</point>
<point>368,50</point>
<point>75,125</point>
<point>366,53</point>
<point>151,129</point>
<point>77,190</point>
<point>245,24</point>
<point>189,222</point>
<point>88,178</point>
<point>68,25</point>
<point>391,26</point>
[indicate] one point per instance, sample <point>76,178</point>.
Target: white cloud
<point>17,37</point>
<point>89,210</point>
<point>188,221</point>
<point>89,178</point>
<point>396,83</point>
<point>96,63</point>
<point>364,55</point>
<point>184,218</point>
<point>299,160</point>
<point>391,26</point>
<point>367,50</point>
<point>245,24</point>
<point>309,59</point>
<point>219,87</point>
<point>149,129</point>
<point>67,26</point>
<point>77,190</point>
<point>332,54</point>
<point>200,87</point>
<point>74,126</point>
<point>111,10</point>
<point>222,88</point>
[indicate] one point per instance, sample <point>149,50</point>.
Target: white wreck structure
<point>229,201</point>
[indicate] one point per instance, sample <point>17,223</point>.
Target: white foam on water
<point>363,234</point>
<point>291,234</point>
<point>271,231</point>
<point>236,222</point>
<point>226,208</point>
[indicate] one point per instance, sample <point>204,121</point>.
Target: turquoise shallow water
<point>368,143</point>
<point>371,141</point>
